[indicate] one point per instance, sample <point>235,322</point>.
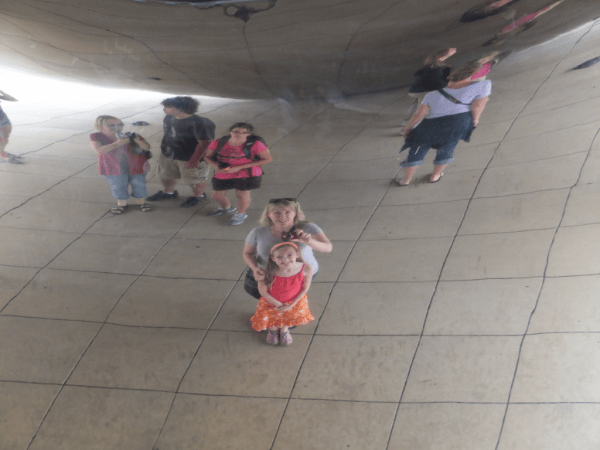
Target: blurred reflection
<point>486,9</point>
<point>5,130</point>
<point>518,26</point>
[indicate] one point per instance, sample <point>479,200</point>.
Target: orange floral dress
<point>285,290</point>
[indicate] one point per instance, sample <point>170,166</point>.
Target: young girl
<point>283,303</point>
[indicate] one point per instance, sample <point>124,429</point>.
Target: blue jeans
<point>119,186</point>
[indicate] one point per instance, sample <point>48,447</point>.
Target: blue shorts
<point>119,186</point>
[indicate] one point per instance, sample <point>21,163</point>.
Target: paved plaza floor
<point>457,315</point>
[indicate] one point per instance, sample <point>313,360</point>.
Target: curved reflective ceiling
<point>272,48</point>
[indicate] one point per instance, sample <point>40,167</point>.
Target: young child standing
<point>283,302</point>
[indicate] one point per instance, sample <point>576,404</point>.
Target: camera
<point>289,235</point>
<point>125,135</point>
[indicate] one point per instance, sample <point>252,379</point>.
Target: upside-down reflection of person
<point>518,26</point>
<point>443,119</point>
<point>486,9</point>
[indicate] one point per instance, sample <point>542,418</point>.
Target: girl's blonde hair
<point>272,266</point>
<point>101,120</point>
<point>299,220</point>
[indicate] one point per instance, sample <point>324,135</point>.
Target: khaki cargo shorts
<point>173,169</point>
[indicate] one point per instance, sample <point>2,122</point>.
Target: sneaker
<point>272,337</point>
<point>193,201</point>
<point>160,195</point>
<point>286,338</point>
<point>237,219</point>
<point>219,211</point>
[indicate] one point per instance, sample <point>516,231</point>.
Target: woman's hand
<point>405,132</point>
<point>231,169</point>
<point>259,274</point>
<point>301,236</point>
<point>121,141</point>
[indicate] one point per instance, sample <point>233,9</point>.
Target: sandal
<point>117,210</point>
<point>438,178</point>
<point>272,337</point>
<point>145,207</point>
<point>285,338</point>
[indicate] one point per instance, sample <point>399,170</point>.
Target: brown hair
<point>271,266</point>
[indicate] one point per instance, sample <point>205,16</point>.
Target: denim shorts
<point>444,155</point>
<point>119,186</point>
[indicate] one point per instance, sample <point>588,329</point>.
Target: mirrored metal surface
<point>268,48</point>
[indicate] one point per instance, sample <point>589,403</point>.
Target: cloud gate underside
<point>261,49</point>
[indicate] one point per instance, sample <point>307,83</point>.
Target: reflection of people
<point>5,130</point>
<point>445,117</point>
<point>521,24</point>
<point>186,136</point>
<point>432,76</point>
<point>237,167</point>
<point>486,10</point>
<point>120,166</point>
<point>282,219</point>
<point>283,301</point>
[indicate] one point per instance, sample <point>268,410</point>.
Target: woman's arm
<point>249,256</point>
<point>477,107</point>
<point>318,242</point>
<point>262,288</point>
<point>308,274</point>
<point>265,158</point>
<point>415,119</point>
<point>101,149</point>
<point>5,96</point>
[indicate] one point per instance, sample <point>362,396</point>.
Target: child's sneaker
<point>237,219</point>
<point>286,338</point>
<point>272,337</point>
<point>219,211</point>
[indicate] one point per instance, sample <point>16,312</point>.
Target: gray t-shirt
<point>263,240</point>
<point>440,106</point>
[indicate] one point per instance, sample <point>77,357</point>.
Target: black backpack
<point>247,146</point>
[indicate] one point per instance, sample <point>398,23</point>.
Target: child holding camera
<point>119,164</point>
<point>283,302</point>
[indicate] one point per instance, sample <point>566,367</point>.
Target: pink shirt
<point>234,156</point>
<point>109,163</point>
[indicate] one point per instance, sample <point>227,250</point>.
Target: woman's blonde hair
<point>299,220</point>
<point>272,266</point>
<point>464,72</point>
<point>100,120</point>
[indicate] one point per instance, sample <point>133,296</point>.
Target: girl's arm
<point>101,149</point>
<point>141,142</point>
<point>249,256</point>
<point>308,274</point>
<point>265,158</point>
<point>5,96</point>
<point>477,107</point>
<point>208,157</point>
<point>262,288</point>
<point>317,242</point>
<point>415,119</point>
